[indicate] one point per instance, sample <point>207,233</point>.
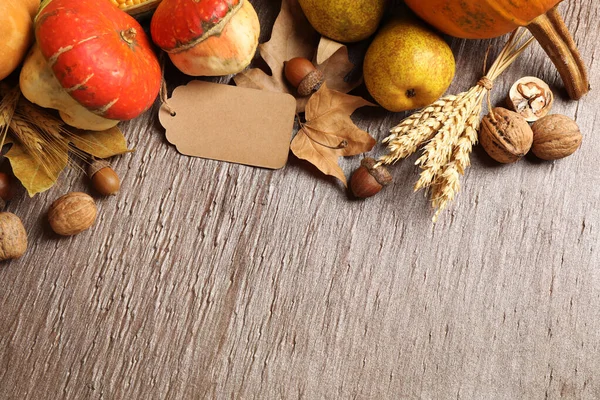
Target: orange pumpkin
<point>16,31</point>
<point>480,19</point>
<point>207,37</point>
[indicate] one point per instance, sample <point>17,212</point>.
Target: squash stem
<point>551,32</point>
<point>129,35</point>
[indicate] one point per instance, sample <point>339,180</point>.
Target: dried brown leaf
<point>293,36</point>
<point>34,176</point>
<point>329,132</point>
<point>39,170</point>
<point>40,146</point>
<point>104,144</point>
<point>327,48</point>
<point>37,176</point>
<point>332,58</point>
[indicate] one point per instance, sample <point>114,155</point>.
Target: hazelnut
<point>72,213</point>
<point>531,97</point>
<point>555,136</point>
<point>104,179</point>
<point>13,238</point>
<point>369,179</point>
<point>302,74</point>
<point>505,135</point>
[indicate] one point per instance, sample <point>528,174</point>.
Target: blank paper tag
<point>229,123</point>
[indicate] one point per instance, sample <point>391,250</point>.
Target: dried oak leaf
<point>38,177</point>
<point>293,36</point>
<point>329,132</point>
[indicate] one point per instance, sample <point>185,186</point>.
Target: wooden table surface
<point>203,279</point>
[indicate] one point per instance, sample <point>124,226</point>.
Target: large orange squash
<point>480,19</point>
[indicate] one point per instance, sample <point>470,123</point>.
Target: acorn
<point>7,188</point>
<point>302,74</point>
<point>369,179</point>
<point>104,179</point>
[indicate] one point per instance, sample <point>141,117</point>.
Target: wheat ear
<point>8,106</point>
<point>48,152</point>
<point>447,184</point>
<point>448,130</point>
<point>406,137</point>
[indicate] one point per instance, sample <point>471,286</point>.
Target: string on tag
<point>163,88</point>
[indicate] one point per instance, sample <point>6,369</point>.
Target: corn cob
<point>136,7</point>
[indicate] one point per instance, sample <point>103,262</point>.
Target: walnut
<point>13,238</point>
<point>531,97</point>
<point>555,136</point>
<point>72,213</point>
<point>505,135</point>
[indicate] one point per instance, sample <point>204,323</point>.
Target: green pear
<point>344,20</point>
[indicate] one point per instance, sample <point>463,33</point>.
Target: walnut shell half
<point>505,135</point>
<point>72,213</point>
<point>555,136</point>
<point>531,97</point>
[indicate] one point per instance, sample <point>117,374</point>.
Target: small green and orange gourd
<point>481,19</point>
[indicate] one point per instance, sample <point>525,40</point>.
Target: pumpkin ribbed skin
<point>100,55</point>
<point>200,18</point>
<point>207,37</point>
<point>479,19</point>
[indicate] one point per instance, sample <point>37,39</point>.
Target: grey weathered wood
<point>209,280</point>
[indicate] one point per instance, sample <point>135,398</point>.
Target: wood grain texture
<point>211,280</point>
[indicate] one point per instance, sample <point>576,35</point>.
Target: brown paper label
<point>229,123</point>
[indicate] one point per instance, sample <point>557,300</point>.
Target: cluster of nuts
<point>69,215</point>
<point>507,136</point>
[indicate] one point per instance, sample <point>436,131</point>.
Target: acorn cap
<point>311,83</point>
<point>96,166</point>
<point>381,174</point>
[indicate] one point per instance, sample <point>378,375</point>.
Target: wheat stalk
<point>35,116</point>
<point>447,131</point>
<point>8,106</point>
<point>48,150</point>
<point>53,131</point>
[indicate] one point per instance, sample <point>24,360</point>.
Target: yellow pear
<point>408,65</point>
<point>344,20</point>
